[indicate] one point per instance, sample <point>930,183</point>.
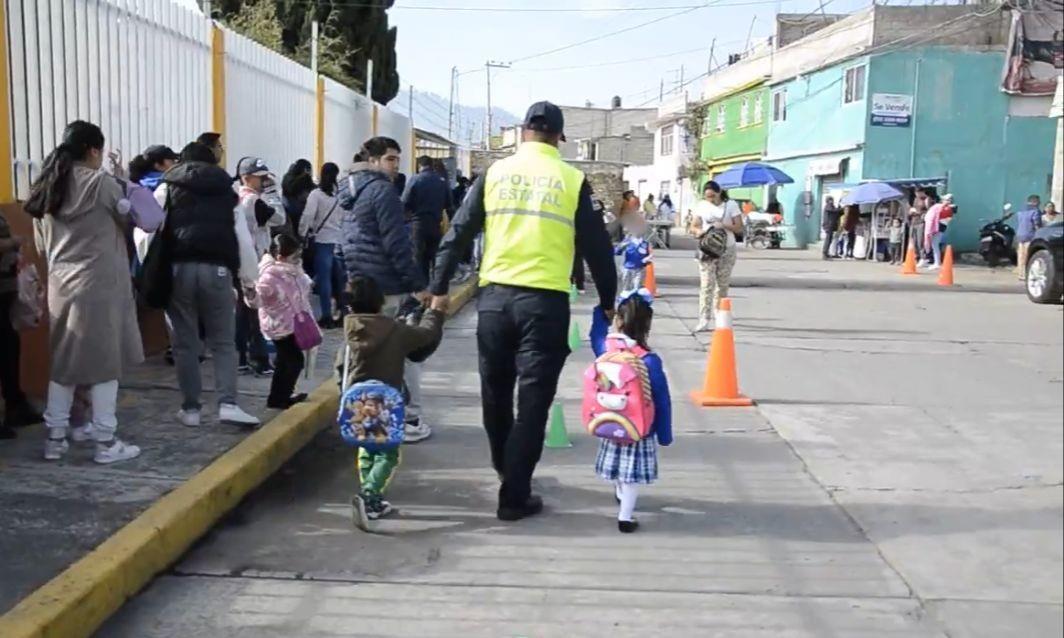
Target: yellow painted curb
<point>76,602</point>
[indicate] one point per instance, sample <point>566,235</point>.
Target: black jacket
<point>199,215</point>
<point>376,243</point>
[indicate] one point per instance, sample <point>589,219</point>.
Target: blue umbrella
<point>871,193</point>
<point>752,174</point>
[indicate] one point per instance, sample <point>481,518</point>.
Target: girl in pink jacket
<point>282,294</point>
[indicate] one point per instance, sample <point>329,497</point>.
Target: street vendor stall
<point>759,230</point>
<point>871,197</point>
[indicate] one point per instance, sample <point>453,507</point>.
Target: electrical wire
<point>500,9</point>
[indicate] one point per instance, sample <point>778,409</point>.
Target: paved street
<point>900,476</point>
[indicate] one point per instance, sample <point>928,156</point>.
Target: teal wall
<point>817,121</point>
<point>961,129</point>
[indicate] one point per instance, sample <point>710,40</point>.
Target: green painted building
<point>735,131</point>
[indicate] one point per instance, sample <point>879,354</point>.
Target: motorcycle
<point>997,239</point>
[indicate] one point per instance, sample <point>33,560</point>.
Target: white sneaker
<point>416,431</point>
<point>704,326</point>
<point>922,264</point>
<point>189,418</point>
<point>54,449</point>
<point>933,267</point>
<point>117,451</point>
<point>232,414</point>
<point>82,434</point>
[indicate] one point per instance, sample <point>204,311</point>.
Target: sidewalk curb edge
<point>81,598</point>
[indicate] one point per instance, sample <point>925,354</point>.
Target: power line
<point>501,9</point>
<point>610,34</point>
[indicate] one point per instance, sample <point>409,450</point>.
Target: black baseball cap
<point>545,117</point>
<point>158,152</point>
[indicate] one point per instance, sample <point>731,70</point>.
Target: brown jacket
<point>379,346</point>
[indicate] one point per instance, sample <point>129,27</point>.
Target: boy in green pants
<point>379,346</point>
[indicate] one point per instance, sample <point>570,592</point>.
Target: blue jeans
<point>324,259</point>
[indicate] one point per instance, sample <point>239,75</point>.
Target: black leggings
<point>287,366</point>
<point>10,353</point>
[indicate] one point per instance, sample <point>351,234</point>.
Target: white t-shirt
<point>710,213</point>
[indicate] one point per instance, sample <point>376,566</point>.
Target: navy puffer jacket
<point>376,243</point>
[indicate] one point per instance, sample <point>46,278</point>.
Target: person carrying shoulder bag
<point>320,229</point>
<point>721,219</point>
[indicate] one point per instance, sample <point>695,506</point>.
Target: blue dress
<point>636,463</point>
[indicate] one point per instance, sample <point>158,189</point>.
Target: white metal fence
<point>141,69</point>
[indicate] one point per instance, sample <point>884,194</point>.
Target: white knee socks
<point>628,493</point>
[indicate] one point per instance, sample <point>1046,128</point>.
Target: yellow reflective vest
<point>530,200</point>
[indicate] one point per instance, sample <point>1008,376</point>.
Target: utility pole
<point>749,34</point>
<point>679,89</point>
<point>450,108</point>
<point>488,66</point>
<point>207,9</point>
<point>410,103</point>
<point>709,65</point>
<point>313,47</point>
<point>369,79</point>
<point>661,91</point>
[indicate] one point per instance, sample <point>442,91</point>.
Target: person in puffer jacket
<point>282,292</point>
<point>377,245</point>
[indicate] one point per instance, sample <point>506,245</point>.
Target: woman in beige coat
<point>81,214</point>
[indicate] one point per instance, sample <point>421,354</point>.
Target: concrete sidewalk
<point>56,512</point>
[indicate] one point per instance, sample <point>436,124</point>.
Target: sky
<point>430,42</point>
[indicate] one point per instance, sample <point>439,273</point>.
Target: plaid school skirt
<point>637,463</point>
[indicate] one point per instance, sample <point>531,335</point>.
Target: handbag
<point>309,240</point>
<point>713,243</point>
<point>306,332</point>
<point>28,307</point>
<point>155,281</point>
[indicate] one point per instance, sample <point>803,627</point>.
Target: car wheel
<point>1044,285</point>
<point>758,242</point>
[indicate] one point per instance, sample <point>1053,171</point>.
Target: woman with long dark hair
<point>716,210</point>
<point>296,186</point>
<point>80,212</point>
<point>320,228</point>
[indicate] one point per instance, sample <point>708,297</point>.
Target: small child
<point>282,292</point>
<point>629,466</point>
<point>379,347</point>
<point>636,251</point>
<point>897,233</point>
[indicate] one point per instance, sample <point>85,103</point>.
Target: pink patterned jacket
<point>282,291</point>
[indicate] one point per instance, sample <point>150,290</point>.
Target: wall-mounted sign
<point>891,109</point>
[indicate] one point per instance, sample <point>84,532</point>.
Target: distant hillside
<point>430,114</point>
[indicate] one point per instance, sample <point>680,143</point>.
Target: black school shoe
<point>627,527</point>
<point>532,506</point>
<point>284,404</point>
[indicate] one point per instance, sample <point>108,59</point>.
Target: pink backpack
<point>618,405</point>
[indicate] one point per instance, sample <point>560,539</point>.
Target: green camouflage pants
<point>375,470</point>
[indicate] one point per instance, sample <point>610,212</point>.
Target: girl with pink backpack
<point>626,401</point>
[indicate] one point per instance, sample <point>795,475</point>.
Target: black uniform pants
<point>522,342</point>
<point>426,232</point>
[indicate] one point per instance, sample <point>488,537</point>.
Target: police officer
<point>534,210</point>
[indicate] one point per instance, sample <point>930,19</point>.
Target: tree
<point>350,36</point>
<point>258,21</point>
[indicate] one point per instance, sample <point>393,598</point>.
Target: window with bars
<point>721,119</point>
<point>854,85</point>
<point>744,112</point>
<point>759,107</point>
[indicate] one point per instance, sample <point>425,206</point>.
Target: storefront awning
<point>829,166</point>
<point>919,182</point>
<point>719,165</point>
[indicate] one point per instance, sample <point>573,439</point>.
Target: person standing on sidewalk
<point>829,222</point>
<point>80,213</point>
<point>425,201</point>
<point>320,230</point>
<point>1027,224</point>
<point>377,246</point>
<point>211,247</point>
<point>17,410</point>
<point>534,209</point>
<point>283,293</point>
<point>262,210</point>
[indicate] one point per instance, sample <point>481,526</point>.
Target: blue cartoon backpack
<point>371,414</point>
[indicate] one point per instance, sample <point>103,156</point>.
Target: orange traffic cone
<point>721,387</point>
<point>650,282</point>
<point>909,267</point>
<point>945,276</point>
